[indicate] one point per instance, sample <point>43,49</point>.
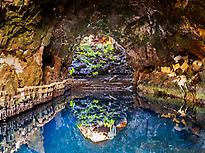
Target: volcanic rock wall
<point>24,34</point>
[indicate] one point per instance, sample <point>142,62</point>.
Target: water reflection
<point>100,118</point>
<point>94,110</point>
<point>145,133</point>
<point>51,128</point>
<point>27,127</point>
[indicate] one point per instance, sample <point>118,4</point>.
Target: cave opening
<point>103,21</point>
<point>99,55</point>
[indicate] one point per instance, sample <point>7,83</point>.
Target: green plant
<point>71,71</point>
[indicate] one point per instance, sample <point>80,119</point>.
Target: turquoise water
<point>145,133</point>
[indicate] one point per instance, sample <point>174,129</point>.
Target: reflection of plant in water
<point>97,112</point>
<point>72,104</point>
<point>94,55</point>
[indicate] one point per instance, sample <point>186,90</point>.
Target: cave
<point>117,69</point>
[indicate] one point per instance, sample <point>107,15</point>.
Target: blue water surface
<point>145,133</point>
